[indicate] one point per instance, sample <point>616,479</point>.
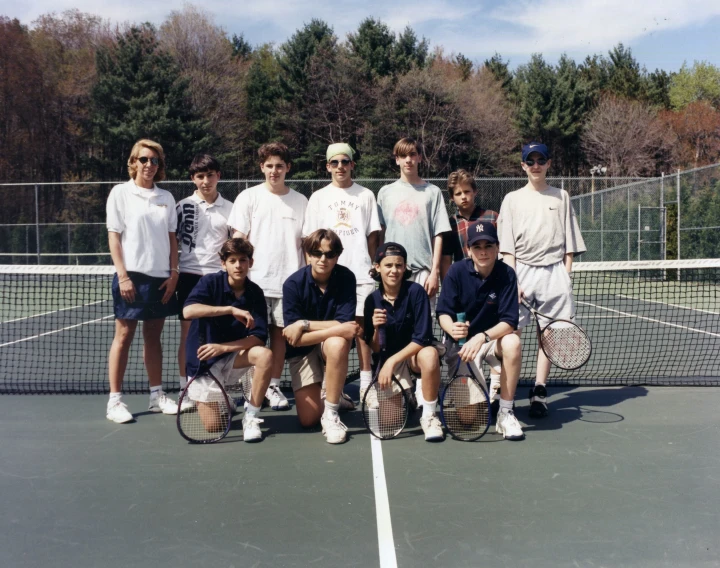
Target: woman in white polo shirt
<point>141,224</point>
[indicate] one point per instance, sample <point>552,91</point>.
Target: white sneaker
<point>335,431</point>
<point>432,427</point>
<point>162,403</point>
<point>119,413</point>
<point>508,426</point>
<point>187,404</point>
<point>251,428</point>
<point>276,399</point>
<point>372,401</point>
<point>346,403</point>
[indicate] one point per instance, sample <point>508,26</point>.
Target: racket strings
<point>385,410</point>
<point>209,417</point>
<point>566,345</point>
<point>465,409</point>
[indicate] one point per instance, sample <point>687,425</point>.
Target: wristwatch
<point>306,325</point>
<point>487,337</point>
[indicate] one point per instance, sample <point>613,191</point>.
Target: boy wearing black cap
<point>486,291</point>
<point>539,235</point>
<point>402,308</point>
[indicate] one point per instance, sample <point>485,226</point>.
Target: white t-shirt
<point>352,214</point>
<point>143,217</point>
<point>202,229</point>
<point>273,224</point>
<point>538,227</point>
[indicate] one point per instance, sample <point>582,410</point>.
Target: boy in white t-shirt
<point>270,216</point>
<point>349,210</point>
<point>202,231</point>
<point>539,236</point>
<point>413,213</point>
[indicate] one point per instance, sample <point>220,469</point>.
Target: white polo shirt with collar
<point>143,217</point>
<point>202,230</point>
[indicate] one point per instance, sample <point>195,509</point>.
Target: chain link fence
<point>620,218</point>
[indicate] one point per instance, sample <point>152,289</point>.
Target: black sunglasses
<point>540,162</point>
<point>144,159</point>
<point>344,162</point>
<point>329,254</point>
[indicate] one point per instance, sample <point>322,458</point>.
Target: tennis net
<point>655,322</point>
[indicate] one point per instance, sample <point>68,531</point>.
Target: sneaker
<point>508,426</point>
<point>251,428</point>
<point>276,399</point>
<point>162,403</point>
<point>119,413</point>
<point>187,404</point>
<point>335,431</point>
<point>372,401</point>
<point>538,401</point>
<point>432,427</point>
<point>346,403</point>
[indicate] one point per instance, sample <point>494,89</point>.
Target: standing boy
<point>539,235</point>
<point>349,210</point>
<point>463,192</point>
<point>202,231</point>
<point>413,213</point>
<point>486,291</point>
<point>271,216</point>
<point>319,307</point>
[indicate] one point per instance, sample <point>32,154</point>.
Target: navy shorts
<point>185,285</point>
<point>148,296</point>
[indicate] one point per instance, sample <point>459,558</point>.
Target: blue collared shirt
<point>486,302</point>
<point>408,321</point>
<point>303,300</point>
<point>214,290</point>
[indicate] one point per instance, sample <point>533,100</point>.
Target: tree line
<point>76,92</point>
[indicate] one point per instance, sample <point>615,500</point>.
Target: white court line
<point>386,543</point>
<point>652,320</point>
<point>54,331</point>
<point>55,311</point>
<point>667,304</point>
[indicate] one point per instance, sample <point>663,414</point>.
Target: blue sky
<point>662,34</point>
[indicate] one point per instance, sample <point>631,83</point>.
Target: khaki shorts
<point>307,370</point>
<point>362,291</point>
<point>548,289</point>
<point>404,374</point>
<point>488,349</point>
<point>204,389</point>
<point>275,311</point>
<point>420,277</point>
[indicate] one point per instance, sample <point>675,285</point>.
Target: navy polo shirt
<point>303,300</point>
<point>214,290</point>
<point>409,320</point>
<point>486,302</point>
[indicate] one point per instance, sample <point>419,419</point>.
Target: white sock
<point>429,408</point>
<point>331,409</point>
<point>365,379</point>
<point>505,405</point>
<point>114,398</point>
<point>183,382</point>
<point>418,388</point>
<point>250,409</point>
<point>155,391</point>
<point>494,385</point>
<point>275,383</point>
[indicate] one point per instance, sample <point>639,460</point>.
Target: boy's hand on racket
<point>209,350</point>
<point>243,316</point>
<point>293,332</point>
<point>459,330</point>
<point>386,373</point>
<point>379,317</point>
<point>169,287</point>
<point>469,351</point>
<point>127,290</point>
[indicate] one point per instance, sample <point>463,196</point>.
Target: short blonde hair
<point>135,154</point>
<point>460,177</point>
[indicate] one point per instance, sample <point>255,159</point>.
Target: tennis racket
<point>385,410</point>
<point>465,405</point>
<point>565,343</point>
<point>209,418</point>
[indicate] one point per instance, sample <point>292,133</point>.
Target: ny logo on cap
<point>479,229</point>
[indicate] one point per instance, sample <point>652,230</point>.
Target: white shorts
<point>204,389</point>
<point>548,289</point>
<point>487,350</point>
<point>420,277</point>
<point>362,291</point>
<point>275,312</point>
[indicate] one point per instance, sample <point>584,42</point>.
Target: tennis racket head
<point>239,387</point>
<point>465,405</point>
<point>210,417</point>
<point>565,344</point>
<point>385,410</point>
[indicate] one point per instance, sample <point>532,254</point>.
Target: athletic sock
<point>505,405</point>
<point>429,408</point>
<point>114,398</point>
<point>331,409</point>
<point>365,379</point>
<point>155,391</point>
<point>251,409</point>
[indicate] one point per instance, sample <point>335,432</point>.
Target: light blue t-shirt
<point>413,215</point>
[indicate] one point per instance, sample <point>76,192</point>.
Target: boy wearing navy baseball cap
<point>539,237</point>
<point>486,290</point>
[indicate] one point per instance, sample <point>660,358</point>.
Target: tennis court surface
<point>624,472</point>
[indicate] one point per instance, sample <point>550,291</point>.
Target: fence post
<point>628,223</point>
<point>602,228</point>
<point>663,221</point>
<point>37,224</point>
<point>678,217</point>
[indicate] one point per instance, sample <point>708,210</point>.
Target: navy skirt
<point>148,296</point>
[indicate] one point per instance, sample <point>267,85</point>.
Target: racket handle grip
<point>462,318</point>
<point>382,337</point>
